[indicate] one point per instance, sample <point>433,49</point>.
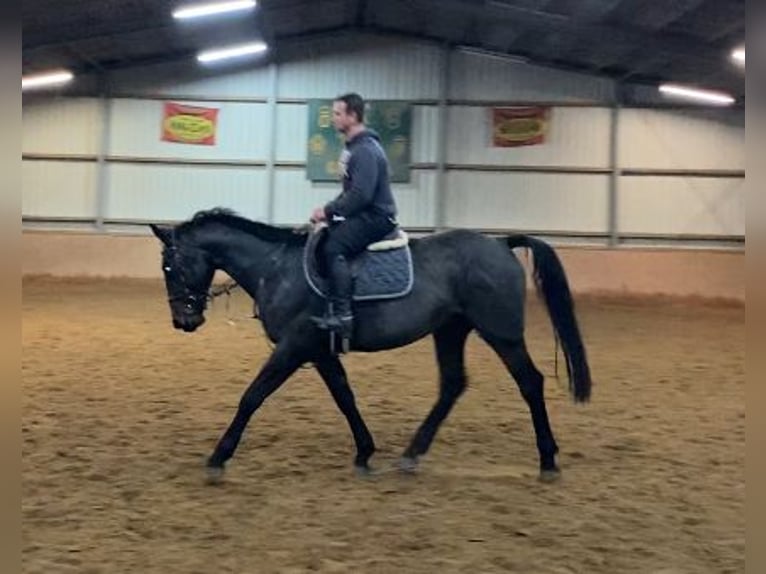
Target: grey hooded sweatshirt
<point>366,186</point>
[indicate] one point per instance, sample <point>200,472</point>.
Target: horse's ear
<point>163,232</point>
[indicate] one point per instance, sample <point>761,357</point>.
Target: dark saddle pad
<point>379,272</point>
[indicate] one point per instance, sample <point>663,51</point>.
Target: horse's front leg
<point>334,376</point>
<point>284,361</point>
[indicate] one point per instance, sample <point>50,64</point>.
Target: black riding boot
<point>339,317</point>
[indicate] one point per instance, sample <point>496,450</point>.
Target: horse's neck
<point>245,258</point>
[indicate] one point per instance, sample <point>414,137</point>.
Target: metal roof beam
<point>499,12</point>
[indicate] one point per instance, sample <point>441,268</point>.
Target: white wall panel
<point>151,192</point>
<point>398,71</point>
<point>578,137</point>
<point>714,206</point>
<point>417,200</point>
<point>58,189</point>
<point>678,140</point>
<point>425,134</point>
<point>243,132</point>
<point>292,132</point>
<point>189,79</point>
<point>531,201</point>
<point>476,77</point>
<point>62,126</point>
<point>295,197</point>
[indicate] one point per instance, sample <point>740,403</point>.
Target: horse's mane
<point>230,218</point>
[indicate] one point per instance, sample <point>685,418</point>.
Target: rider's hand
<point>318,215</point>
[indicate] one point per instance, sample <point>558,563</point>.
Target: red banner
<point>189,124</point>
<point>512,127</point>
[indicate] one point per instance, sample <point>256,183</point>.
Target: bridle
<point>194,301</point>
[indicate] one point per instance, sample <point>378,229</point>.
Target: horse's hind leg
<point>530,381</point>
<point>334,376</point>
<point>450,345</point>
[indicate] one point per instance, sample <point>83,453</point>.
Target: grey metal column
<point>102,173</point>
<point>441,144</point>
<point>270,167</point>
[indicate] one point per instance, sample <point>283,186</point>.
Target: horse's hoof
<point>550,475</point>
<point>214,475</point>
<point>362,470</point>
<point>408,464</point>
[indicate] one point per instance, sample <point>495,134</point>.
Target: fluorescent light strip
<point>231,52</point>
<point>492,54</point>
<point>708,96</point>
<point>738,56</point>
<point>212,9</point>
<point>46,79</point>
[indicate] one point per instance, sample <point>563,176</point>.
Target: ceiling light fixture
<point>738,56</point>
<point>46,79</point>
<point>212,9</point>
<point>706,96</point>
<point>239,51</point>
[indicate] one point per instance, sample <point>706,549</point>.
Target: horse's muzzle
<point>188,324</point>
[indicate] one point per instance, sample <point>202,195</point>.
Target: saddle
<point>382,271</point>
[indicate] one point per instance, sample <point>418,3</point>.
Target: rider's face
<point>340,118</point>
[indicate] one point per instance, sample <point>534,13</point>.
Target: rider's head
<point>347,112</point>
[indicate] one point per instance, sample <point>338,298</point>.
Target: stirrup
<point>341,325</point>
<point>336,327</point>
<point>330,321</point>
<point>321,321</point>
<point>345,345</point>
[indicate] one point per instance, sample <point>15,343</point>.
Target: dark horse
<point>463,281</point>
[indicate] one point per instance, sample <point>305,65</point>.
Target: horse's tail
<point>551,282</point>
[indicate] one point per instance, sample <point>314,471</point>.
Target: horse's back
<point>468,252</point>
<point>486,276</point>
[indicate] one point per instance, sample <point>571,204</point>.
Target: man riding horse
<point>366,206</point>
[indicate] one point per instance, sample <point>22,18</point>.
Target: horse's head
<point>188,276</point>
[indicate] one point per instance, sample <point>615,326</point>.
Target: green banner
<point>393,122</point>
